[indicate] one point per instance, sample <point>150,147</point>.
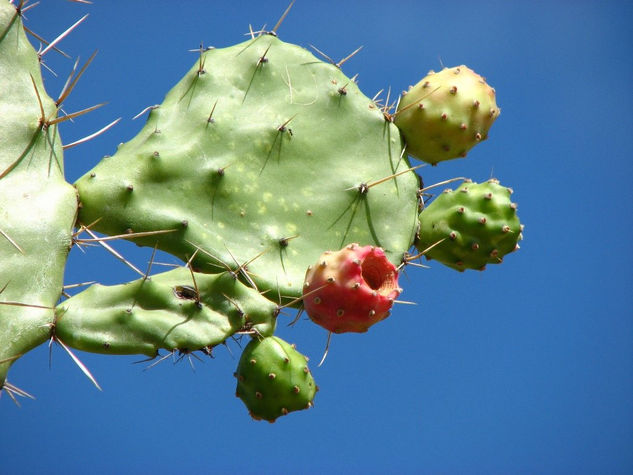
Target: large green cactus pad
<point>37,206</point>
<point>260,149</point>
<point>174,310</point>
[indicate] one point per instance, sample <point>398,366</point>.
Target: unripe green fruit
<point>446,114</point>
<point>470,227</point>
<point>273,379</point>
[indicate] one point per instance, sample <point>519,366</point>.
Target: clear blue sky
<point>525,368</point>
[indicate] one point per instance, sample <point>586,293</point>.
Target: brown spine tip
<point>482,220</point>
<point>272,375</point>
<point>296,389</point>
<point>258,395</point>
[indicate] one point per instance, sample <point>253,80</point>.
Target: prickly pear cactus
<point>273,379</point>
<point>446,114</point>
<point>351,289</point>
<point>37,206</point>
<point>474,225</point>
<point>260,160</point>
<point>261,154</point>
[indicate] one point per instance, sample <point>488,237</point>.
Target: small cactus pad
<point>261,154</point>
<point>273,379</point>
<point>174,310</point>
<point>446,114</point>
<point>351,289</point>
<point>477,224</point>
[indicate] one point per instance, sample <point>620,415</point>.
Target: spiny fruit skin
<point>447,113</point>
<point>477,224</point>
<point>351,289</point>
<point>273,379</point>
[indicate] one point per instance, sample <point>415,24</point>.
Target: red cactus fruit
<point>351,289</point>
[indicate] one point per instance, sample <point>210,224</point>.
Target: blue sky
<point>524,368</point>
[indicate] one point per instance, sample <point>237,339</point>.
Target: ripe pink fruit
<point>351,289</point>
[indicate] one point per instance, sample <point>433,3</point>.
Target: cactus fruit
<point>445,114</point>
<point>351,289</point>
<point>472,226</point>
<point>273,379</point>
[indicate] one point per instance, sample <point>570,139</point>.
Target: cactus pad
<point>477,224</point>
<point>260,150</point>
<point>172,311</point>
<point>37,206</point>
<point>446,114</point>
<point>273,379</point>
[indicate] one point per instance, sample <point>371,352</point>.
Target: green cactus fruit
<point>37,206</point>
<point>273,379</point>
<point>173,311</point>
<point>262,154</point>
<point>469,227</point>
<point>446,114</point>
<point>351,289</point>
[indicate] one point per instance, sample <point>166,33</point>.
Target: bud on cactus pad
<point>273,379</point>
<point>351,289</point>
<point>446,114</point>
<point>477,224</point>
